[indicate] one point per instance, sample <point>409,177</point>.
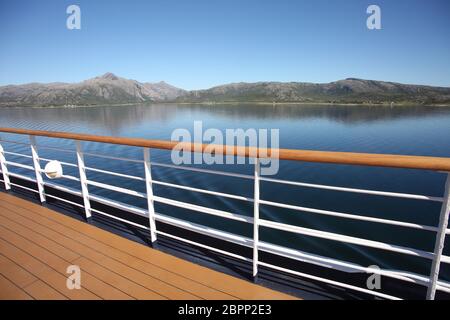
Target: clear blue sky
<point>196,44</point>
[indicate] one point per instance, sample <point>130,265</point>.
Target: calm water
<point>398,130</point>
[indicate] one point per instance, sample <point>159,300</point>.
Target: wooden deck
<point>38,244</point>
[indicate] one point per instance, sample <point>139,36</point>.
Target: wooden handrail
<point>351,158</point>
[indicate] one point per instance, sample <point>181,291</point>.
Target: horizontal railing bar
<point>222,173</point>
<point>115,174</point>
<point>63,188</point>
<point>17,154</point>
<point>26,188</point>
<point>248,242</point>
<point>215,193</point>
<point>351,158</point>
<point>69,177</point>
<point>346,239</point>
<point>120,219</point>
<point>100,199</point>
<point>341,265</point>
<point>19,165</point>
<point>351,216</point>
<point>442,288</point>
<point>65,176</point>
<point>166,219</point>
<point>212,232</point>
<point>62,162</point>
<point>117,189</point>
<point>445,259</point>
<point>194,207</point>
<point>204,246</point>
<point>50,184</point>
<point>295,254</point>
<point>111,157</point>
<point>64,200</point>
<point>364,191</point>
<point>119,205</point>
<point>269,248</point>
<point>348,266</point>
<point>21,176</point>
<point>331,282</point>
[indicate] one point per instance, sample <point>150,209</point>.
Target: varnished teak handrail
<point>352,158</point>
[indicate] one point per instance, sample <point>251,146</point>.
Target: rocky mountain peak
<point>109,76</point>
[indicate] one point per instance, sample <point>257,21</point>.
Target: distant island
<point>110,89</point>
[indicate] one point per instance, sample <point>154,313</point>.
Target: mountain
<point>105,89</point>
<point>350,90</point>
<point>162,91</point>
<point>111,89</point>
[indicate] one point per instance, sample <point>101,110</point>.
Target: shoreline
<point>229,103</point>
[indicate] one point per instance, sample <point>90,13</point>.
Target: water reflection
<point>114,119</point>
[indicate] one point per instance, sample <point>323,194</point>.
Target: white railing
<point>432,282</point>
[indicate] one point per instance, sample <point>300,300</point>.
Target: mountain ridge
<point>350,90</point>
<point>112,89</point>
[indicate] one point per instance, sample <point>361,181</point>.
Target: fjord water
<point>412,130</point>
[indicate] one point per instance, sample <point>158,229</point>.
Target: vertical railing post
<point>83,181</point>
<point>149,187</point>
<point>37,169</point>
<point>4,168</point>
<point>440,241</point>
<point>256,219</point>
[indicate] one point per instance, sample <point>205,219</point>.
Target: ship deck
<point>37,245</point>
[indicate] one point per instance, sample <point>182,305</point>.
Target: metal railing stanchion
<point>37,169</point>
<point>83,181</point>
<point>4,168</point>
<point>256,219</point>
<point>440,241</point>
<point>149,188</point>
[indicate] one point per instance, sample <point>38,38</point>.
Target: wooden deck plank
<point>7,222</point>
<point>48,275</point>
<point>34,249</point>
<point>131,288</point>
<point>56,278</point>
<point>98,289</point>
<point>39,290</point>
<point>119,261</point>
<point>109,259</point>
<point>199,274</point>
<point>15,273</point>
<point>9,291</point>
<point>161,289</point>
<point>19,235</point>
